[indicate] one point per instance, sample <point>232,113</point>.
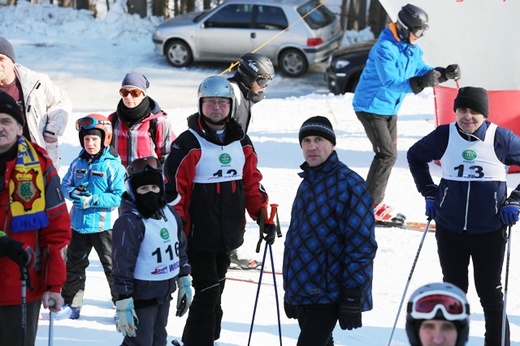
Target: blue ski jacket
<point>103,179</point>
<point>385,80</point>
<point>330,244</point>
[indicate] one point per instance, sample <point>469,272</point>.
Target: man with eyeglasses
<point>394,68</point>
<point>470,205</point>
<point>212,168</point>
<point>45,107</point>
<point>141,127</point>
<point>254,73</point>
<point>438,315</point>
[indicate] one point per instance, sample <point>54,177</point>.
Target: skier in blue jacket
<point>330,244</point>
<point>394,68</point>
<point>470,204</point>
<point>94,183</point>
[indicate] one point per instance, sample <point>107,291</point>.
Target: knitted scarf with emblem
<point>27,191</point>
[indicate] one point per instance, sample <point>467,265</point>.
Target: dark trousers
<point>316,324</point>
<point>11,324</point>
<point>77,263</point>
<point>208,271</point>
<point>487,254</point>
<point>151,329</point>
<point>382,133</point>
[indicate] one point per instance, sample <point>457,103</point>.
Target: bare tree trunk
<point>357,13</point>
<point>377,18</point>
<point>160,8</point>
<point>207,4</point>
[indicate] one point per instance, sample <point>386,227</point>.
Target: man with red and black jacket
<point>35,227</point>
<point>212,169</point>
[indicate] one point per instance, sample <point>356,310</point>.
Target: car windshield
<point>203,15</point>
<point>319,17</point>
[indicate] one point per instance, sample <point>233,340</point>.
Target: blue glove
<point>127,318</point>
<point>82,202</point>
<point>184,296</point>
<point>430,207</point>
<point>509,213</point>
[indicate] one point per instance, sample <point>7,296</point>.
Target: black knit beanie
<point>8,105</point>
<point>474,98</point>
<point>317,126</point>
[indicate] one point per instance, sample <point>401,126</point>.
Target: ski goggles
<point>89,123</point>
<point>133,92</point>
<point>419,31</point>
<point>263,81</point>
<point>144,164</point>
<point>426,306</point>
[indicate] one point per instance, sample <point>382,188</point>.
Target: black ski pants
<point>11,324</point>
<point>487,255</point>
<point>381,130</point>
<point>78,252</point>
<point>316,323</point>
<point>208,272</point>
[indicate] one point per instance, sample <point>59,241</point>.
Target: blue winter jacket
<point>385,80</point>
<point>330,244</point>
<point>471,207</point>
<point>104,181</point>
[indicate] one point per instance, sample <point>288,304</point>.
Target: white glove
<point>127,318</point>
<point>184,296</point>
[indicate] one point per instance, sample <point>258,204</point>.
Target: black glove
<point>290,310</point>
<point>350,310</point>
<point>14,250</point>
<point>450,72</point>
<point>269,233</point>
<point>430,79</point>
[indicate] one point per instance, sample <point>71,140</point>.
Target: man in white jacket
<point>45,106</point>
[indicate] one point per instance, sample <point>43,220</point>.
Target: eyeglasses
<point>133,92</point>
<point>89,123</point>
<point>419,31</point>
<point>213,102</point>
<point>467,110</point>
<point>263,81</point>
<point>425,307</point>
<point>144,164</point>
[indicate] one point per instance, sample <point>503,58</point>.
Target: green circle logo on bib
<point>469,154</point>
<point>225,159</point>
<point>164,233</point>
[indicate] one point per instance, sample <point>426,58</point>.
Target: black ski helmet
<point>432,296</point>
<point>253,65</point>
<point>410,19</point>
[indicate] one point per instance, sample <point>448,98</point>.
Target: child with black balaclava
<point>149,256</point>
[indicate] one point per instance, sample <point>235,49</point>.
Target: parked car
<point>293,34</point>
<point>345,66</point>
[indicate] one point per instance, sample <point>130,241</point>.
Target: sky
<point>89,57</point>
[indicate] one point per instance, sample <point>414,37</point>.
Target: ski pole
<point>51,322</point>
<point>409,278</point>
<point>504,315</point>
<point>24,274</point>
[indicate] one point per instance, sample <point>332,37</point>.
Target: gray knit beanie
<point>7,49</point>
<point>136,80</point>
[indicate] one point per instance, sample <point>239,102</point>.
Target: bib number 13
<point>475,171</point>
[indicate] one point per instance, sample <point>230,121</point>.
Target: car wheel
<point>178,53</point>
<point>293,63</point>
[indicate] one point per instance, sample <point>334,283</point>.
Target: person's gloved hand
<point>82,202</point>
<point>430,207</point>
<point>290,310</point>
<point>127,320</point>
<point>269,233</point>
<point>509,213</point>
<point>15,250</point>
<point>184,296</point>
<point>430,79</point>
<point>79,191</point>
<point>349,315</point>
<point>452,72</point>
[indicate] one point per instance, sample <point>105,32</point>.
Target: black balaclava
<point>149,203</point>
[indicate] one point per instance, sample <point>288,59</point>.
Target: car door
<point>268,22</point>
<point>226,34</point>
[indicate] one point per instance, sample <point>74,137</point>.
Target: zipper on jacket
<point>465,228</point>
<point>443,196</point>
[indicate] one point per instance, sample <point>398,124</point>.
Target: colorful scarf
<point>27,190</point>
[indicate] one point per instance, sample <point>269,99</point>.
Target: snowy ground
<point>88,58</point>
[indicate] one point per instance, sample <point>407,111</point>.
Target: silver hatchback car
<point>292,33</point>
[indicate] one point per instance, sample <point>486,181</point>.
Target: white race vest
<point>219,163</point>
<point>158,258</point>
<point>472,161</point>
